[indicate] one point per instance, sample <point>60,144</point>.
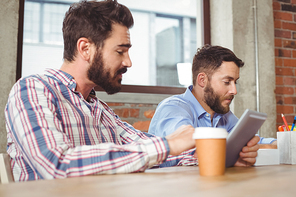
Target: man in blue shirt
<point>215,71</point>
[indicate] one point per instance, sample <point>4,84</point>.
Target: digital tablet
<point>244,130</point>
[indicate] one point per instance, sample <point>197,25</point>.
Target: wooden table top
<point>277,180</point>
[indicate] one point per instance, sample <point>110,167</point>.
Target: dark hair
<point>209,58</point>
<point>92,20</point>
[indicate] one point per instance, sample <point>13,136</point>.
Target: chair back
<point>5,169</point>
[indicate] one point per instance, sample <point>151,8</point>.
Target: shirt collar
<point>67,79</point>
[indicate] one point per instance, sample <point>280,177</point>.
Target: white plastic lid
<point>209,132</point>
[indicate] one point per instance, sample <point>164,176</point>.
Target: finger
<point>248,155</point>
<point>183,127</point>
<point>181,130</point>
<point>249,161</point>
<point>239,164</point>
<point>245,162</point>
<point>181,140</point>
<point>253,141</point>
<point>254,148</point>
<point>195,154</point>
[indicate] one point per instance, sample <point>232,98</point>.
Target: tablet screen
<point>244,130</point>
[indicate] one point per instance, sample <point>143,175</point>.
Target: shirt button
<point>207,115</point>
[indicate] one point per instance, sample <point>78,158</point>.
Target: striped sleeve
<point>157,147</point>
<point>186,158</point>
<point>47,152</point>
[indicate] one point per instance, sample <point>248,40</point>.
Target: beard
<point>98,74</point>
<point>214,101</point>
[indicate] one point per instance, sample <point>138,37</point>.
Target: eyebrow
<point>125,45</point>
<point>229,77</point>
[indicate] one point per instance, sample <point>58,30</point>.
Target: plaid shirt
<point>53,132</point>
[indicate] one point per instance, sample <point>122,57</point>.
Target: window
<point>42,38</point>
<point>164,39</point>
<point>168,50</point>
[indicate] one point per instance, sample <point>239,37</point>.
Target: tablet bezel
<point>244,130</point>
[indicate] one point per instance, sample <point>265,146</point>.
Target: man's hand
<point>181,140</point>
<point>249,153</point>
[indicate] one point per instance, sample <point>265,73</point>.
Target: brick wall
<point>138,115</point>
<point>284,12</point>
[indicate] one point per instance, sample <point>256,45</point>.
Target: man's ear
<point>201,79</point>
<point>84,48</point>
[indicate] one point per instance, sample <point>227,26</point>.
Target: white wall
<point>233,26</point>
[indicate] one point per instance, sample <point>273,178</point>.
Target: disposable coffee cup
<point>211,150</point>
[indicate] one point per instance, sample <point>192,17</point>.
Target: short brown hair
<point>209,58</point>
<point>92,20</point>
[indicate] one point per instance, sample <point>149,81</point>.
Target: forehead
<point>120,35</point>
<point>227,69</point>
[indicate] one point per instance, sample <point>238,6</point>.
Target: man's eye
<point>226,82</point>
<point>120,52</point>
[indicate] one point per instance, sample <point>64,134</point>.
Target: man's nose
<point>127,61</point>
<point>233,89</point>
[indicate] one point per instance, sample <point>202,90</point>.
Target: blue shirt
<point>184,109</point>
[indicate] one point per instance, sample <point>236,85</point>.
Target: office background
<point>260,32</point>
